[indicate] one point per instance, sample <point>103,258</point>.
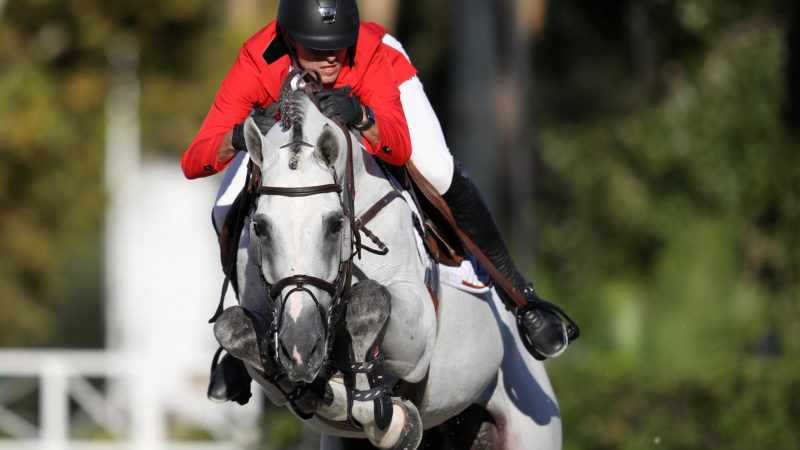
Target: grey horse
<point>384,365</point>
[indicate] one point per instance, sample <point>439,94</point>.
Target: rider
<point>388,106</point>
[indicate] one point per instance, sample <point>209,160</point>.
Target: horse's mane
<point>291,107</point>
<point>296,97</point>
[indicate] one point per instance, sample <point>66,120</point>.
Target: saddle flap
<point>441,247</point>
<point>439,237</point>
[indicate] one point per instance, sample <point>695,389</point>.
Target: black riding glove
<point>264,119</point>
<point>340,104</point>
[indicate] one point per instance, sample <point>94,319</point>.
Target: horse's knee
<point>368,309</point>
<point>370,301</point>
<point>240,333</point>
<point>410,333</point>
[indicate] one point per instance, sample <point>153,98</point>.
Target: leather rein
<point>339,289</point>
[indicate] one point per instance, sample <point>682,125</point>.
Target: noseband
<point>339,289</point>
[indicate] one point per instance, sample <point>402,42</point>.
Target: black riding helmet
<point>320,24</point>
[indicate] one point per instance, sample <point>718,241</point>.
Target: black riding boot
<point>542,330</point>
<point>229,380</point>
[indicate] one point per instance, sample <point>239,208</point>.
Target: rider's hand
<point>340,104</point>
<point>264,119</point>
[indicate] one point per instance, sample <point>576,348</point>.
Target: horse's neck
<point>370,181</point>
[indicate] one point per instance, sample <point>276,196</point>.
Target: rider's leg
<point>229,188</point>
<point>544,329</point>
<point>229,379</point>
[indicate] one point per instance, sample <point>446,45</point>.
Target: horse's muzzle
<point>302,358</point>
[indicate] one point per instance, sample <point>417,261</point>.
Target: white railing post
<point>54,404</point>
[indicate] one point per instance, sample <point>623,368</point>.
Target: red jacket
<point>255,81</point>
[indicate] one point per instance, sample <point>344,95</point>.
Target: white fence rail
<point>129,406</point>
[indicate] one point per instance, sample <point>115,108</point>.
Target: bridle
<point>339,289</point>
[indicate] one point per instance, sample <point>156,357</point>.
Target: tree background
<point>641,155</point>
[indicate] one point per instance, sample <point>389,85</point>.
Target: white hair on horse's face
<point>305,232</point>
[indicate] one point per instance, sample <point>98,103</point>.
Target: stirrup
<point>571,329</point>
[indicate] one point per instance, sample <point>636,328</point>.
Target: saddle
<point>438,234</point>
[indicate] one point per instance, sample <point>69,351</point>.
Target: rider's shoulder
<point>369,39</point>
<point>371,30</point>
<point>263,37</point>
<point>266,50</point>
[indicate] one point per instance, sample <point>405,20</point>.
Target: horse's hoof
<point>411,435</point>
<point>238,331</point>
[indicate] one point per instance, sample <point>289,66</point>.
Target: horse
<point>350,338</point>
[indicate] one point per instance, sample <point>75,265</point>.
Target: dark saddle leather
<point>440,238</point>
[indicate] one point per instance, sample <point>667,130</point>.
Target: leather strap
<point>433,196</point>
<point>303,191</point>
<point>378,206</point>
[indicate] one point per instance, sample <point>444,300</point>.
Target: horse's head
<point>300,230</point>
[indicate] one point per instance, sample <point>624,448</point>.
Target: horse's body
<point>468,353</point>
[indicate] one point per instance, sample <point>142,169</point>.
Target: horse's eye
<point>335,225</point>
<point>260,226</point>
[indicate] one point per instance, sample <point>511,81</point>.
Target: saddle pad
<point>470,276</point>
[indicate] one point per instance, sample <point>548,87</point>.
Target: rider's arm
<point>388,138</point>
<point>211,150</point>
<point>371,134</point>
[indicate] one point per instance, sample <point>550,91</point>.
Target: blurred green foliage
<point>668,224</point>
<point>51,138</point>
<point>54,78</point>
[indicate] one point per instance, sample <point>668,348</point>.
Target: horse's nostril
<point>285,352</point>
<point>314,348</point>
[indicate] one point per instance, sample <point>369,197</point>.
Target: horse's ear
<point>254,141</point>
<point>327,148</point>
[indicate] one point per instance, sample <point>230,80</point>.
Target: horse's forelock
<point>292,110</point>
<point>291,107</point>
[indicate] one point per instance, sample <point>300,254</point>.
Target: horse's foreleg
<point>241,332</point>
<point>387,422</point>
<point>411,332</point>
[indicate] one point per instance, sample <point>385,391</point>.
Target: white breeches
<point>429,151</point>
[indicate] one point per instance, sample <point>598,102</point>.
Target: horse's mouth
<point>300,366</point>
<point>301,377</point>
<point>305,373</point>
